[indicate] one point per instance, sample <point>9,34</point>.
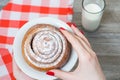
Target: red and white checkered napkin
<point>18,12</point>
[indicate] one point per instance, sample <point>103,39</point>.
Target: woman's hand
<point>18,74</point>
<point>88,67</point>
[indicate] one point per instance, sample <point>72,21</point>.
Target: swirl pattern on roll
<point>45,47</point>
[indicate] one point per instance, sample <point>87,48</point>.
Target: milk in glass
<point>91,16</point>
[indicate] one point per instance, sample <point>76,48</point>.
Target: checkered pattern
<point>6,72</point>
<point>15,14</point>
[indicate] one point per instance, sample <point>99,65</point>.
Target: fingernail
<point>69,23</point>
<point>82,31</point>
<point>74,24</point>
<point>50,73</point>
<point>61,28</point>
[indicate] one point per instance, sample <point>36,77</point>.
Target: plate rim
<point>33,22</point>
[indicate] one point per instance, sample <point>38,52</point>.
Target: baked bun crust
<point>44,47</point>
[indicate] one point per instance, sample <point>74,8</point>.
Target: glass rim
<point>94,12</point>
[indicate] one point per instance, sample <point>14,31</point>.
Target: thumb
<point>60,74</point>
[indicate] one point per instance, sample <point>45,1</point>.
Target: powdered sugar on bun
<point>44,47</point>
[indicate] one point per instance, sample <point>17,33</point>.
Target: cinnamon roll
<point>44,47</point>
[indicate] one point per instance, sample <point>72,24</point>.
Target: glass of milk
<point>92,11</point>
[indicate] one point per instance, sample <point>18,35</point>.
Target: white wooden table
<point>106,40</point>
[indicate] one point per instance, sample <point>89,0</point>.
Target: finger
<point>60,74</point>
<point>18,74</point>
<point>74,42</point>
<point>15,70</point>
<point>78,33</point>
<point>83,40</point>
<point>83,43</point>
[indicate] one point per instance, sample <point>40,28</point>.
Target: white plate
<point>18,53</point>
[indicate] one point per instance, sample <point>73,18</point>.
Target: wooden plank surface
<point>106,40</point>
<point>3,3</point>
